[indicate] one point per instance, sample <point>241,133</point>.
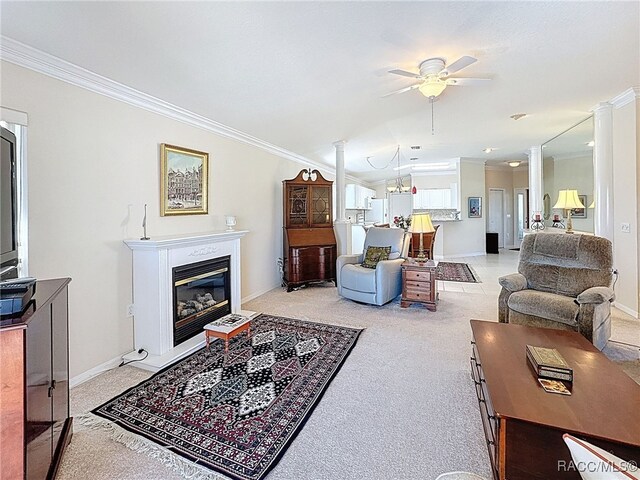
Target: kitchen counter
<point>441,214</point>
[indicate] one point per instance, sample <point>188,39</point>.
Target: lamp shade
<point>568,199</point>
<point>432,87</point>
<point>421,223</point>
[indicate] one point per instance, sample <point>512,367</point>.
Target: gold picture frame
<point>184,181</point>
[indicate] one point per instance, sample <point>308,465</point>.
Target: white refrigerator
<point>379,212</point>
<point>400,204</point>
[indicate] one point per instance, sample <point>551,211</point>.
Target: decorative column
<point>340,184</point>
<point>341,227</point>
<point>603,169</point>
<point>535,180</point>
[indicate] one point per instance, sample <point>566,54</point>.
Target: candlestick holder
<point>557,222</point>
<point>536,222</point>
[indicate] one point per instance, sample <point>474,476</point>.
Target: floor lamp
<point>568,199</point>
<point>421,223</point>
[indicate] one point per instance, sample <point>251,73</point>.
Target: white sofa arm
<point>389,278</point>
<point>341,262</point>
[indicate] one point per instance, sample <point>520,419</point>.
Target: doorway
<point>496,214</point>
<point>521,214</point>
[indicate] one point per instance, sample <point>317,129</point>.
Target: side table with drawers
<point>419,284</point>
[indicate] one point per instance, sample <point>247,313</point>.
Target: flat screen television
<point>8,203</point>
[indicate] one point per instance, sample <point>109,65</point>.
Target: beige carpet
<point>402,406</point>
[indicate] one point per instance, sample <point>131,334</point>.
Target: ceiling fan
<point>435,76</point>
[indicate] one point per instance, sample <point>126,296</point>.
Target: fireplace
<point>154,261</point>
<point>201,294</point>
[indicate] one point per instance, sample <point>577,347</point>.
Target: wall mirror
<point>568,165</point>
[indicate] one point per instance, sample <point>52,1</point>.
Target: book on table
<point>548,363</point>
<point>228,323</point>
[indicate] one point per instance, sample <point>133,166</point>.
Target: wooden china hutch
<point>309,241</point>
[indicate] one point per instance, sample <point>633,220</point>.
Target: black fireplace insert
<point>201,294</point>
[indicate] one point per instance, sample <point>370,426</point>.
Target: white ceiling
<point>302,75</point>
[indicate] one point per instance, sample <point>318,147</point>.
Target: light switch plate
<point>626,227</point>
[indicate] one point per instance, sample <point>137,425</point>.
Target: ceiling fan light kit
<point>432,87</point>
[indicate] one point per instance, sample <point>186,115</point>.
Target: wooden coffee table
<point>523,424</point>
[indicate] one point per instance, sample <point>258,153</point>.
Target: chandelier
<point>398,186</point>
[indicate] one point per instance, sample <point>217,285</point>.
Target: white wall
<point>431,180</point>
<point>467,237</point>
<point>92,164</point>
<point>626,186</point>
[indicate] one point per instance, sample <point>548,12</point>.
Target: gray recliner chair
<point>564,283</point>
<point>382,284</point>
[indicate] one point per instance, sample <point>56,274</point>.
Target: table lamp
<point>568,199</point>
<point>421,223</point>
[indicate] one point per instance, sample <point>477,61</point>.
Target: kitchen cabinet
<point>400,204</point>
<point>433,198</point>
<point>358,197</point>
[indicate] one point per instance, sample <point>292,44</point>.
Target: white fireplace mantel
<point>153,261</point>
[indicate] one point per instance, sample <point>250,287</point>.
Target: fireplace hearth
<point>201,294</point>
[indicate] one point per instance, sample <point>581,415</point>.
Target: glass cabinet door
<point>321,206</point>
<point>297,209</point>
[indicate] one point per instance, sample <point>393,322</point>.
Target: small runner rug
<point>456,272</point>
<point>237,413</point>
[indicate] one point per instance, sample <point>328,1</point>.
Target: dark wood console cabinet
<point>309,242</point>
<point>35,426</point>
<point>523,424</point>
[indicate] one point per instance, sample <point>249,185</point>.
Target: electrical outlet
<point>626,227</point>
<point>130,310</point>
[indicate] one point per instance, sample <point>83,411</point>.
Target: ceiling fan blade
<point>467,81</point>
<point>462,62</point>
<point>404,73</point>
<point>402,90</point>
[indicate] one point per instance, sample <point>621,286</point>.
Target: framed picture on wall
<point>580,212</point>
<point>475,207</point>
<point>184,181</point>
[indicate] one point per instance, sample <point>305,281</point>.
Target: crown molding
<point>28,57</point>
<point>625,97</point>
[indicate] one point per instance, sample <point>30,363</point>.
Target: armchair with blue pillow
<point>375,278</point>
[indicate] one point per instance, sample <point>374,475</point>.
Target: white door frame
<point>501,234</point>
<point>523,190</point>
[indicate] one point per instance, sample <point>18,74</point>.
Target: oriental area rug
<point>237,412</point>
<point>456,272</point>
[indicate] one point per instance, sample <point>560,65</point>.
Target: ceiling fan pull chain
<point>432,129</point>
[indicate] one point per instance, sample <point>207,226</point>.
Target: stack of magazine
<point>548,363</point>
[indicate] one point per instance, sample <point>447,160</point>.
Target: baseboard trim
<point>95,371</point>
<point>626,310</point>
<point>461,255</point>
<point>248,298</point>
<point>114,362</point>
